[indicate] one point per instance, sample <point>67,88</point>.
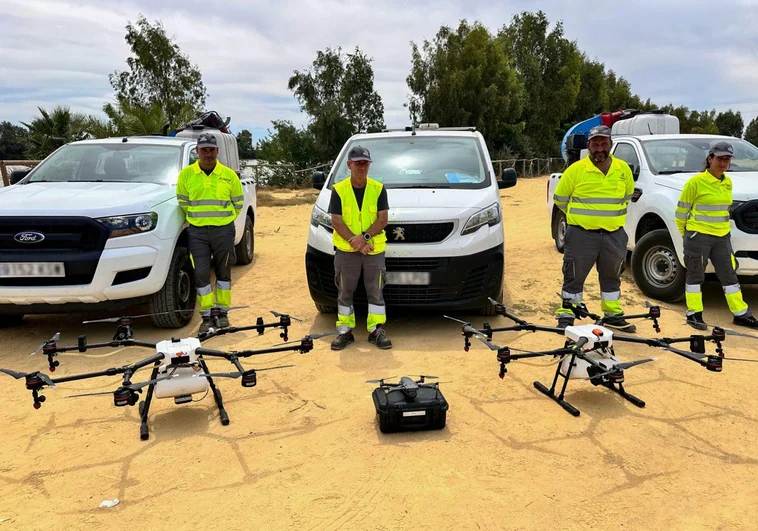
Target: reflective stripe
<point>599,200</point>
<point>378,310</point>
<point>682,215</point>
<point>740,314</point>
<point>712,207</point>
<point>573,298</point>
<point>610,295</point>
<point>238,198</point>
<point>628,197</point>
<point>680,204</point>
<point>213,214</point>
<point>209,202</point>
<point>182,197</point>
<point>711,218</point>
<point>345,310</point>
<point>561,198</point>
<point>343,329</point>
<point>692,288</point>
<point>729,290</point>
<point>223,284</point>
<point>204,290</point>
<point>601,213</point>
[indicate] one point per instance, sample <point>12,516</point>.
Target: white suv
<point>445,232</point>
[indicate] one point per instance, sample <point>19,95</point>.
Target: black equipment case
<point>396,412</point>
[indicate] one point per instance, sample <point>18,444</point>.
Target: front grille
<point>746,217</point>
<point>60,233</point>
<point>418,232</point>
<point>78,242</point>
<point>412,264</point>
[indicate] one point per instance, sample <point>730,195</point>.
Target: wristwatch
<point>366,236</point>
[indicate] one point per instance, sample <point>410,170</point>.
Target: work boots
<point>619,323</point>
<point>747,320</point>
<point>695,320</point>
<point>379,338</point>
<point>342,340</point>
<point>205,326</point>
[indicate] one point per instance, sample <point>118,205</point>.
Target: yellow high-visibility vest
<point>704,205</point>
<point>214,199</point>
<point>359,220</point>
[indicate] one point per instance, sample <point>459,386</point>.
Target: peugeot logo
<point>399,233</point>
<point>29,237</point>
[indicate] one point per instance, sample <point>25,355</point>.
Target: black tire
<point>11,320</point>
<point>246,247</point>
<point>559,230</point>
<point>177,296</point>
<point>656,269</point>
<point>322,308</point>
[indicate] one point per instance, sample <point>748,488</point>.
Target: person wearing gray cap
<point>211,196</point>
<point>702,217</point>
<point>594,193</point>
<point>359,210</point>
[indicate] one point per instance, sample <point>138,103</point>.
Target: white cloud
<point>61,52</point>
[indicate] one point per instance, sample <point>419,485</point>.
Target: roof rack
<point>430,127</point>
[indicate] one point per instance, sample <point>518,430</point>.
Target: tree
<point>751,132</point>
<point>14,141</point>
<point>51,130</point>
<point>593,92</point>
<point>338,94</point>
<point>245,144</point>
<point>729,123</point>
<point>550,67</point>
<point>465,78</point>
<point>158,74</point>
<point>288,144</point>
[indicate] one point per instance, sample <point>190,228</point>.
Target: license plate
<point>31,269</point>
<point>407,278</point>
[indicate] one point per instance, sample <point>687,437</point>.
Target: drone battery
<point>396,412</point>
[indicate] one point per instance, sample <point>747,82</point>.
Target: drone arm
<point>246,353</point>
<point>556,352</point>
<point>525,327</point>
<point>112,344</point>
<point>113,371</point>
<point>284,322</point>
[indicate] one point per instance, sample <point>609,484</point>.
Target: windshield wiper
<point>672,172</point>
<point>424,186</point>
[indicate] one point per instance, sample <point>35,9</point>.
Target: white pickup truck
<point>662,164</point>
<point>96,226</point>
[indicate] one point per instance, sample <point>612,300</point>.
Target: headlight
<point>319,217</point>
<point>487,216</point>
<point>125,225</point>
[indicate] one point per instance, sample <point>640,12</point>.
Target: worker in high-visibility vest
<point>702,217</point>
<point>211,196</point>
<point>594,193</point>
<point>359,210</point>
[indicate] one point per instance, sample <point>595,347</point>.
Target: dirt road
<point>303,449</point>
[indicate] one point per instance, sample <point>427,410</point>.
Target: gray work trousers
<point>584,249</point>
<point>347,272</point>
<point>212,247</point>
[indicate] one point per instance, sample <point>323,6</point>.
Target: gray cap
<point>720,149</point>
<point>206,140</point>
<point>359,153</point>
<point>599,130</point>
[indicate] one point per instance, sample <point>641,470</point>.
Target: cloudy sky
<point>700,54</point>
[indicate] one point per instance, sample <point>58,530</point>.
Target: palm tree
<point>51,130</point>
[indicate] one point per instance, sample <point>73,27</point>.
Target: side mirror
<point>17,175</point>
<point>319,179</point>
<point>508,178</point>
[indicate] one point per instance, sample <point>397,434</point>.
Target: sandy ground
<point>303,449</point>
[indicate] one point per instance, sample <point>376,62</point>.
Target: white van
<point>445,232</point>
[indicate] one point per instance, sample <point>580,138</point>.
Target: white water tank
<point>647,124</point>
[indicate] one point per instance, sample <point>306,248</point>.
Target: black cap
<point>599,130</point>
<point>206,140</point>
<point>359,153</point>
<point>720,149</point>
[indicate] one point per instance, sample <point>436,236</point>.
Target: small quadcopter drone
<point>409,404</point>
<point>588,353</point>
<point>179,365</point>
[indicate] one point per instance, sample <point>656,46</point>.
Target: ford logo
<point>29,237</point>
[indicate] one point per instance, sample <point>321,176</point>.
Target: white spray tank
<point>594,335</point>
<point>183,383</point>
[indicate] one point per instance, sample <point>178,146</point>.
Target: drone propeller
<point>277,314</point>
<point>620,367</point>
<point>466,326</point>
<point>18,375</point>
<point>238,374</point>
<point>53,339</point>
<point>488,343</point>
<point>119,319</point>
<point>380,380</point>
<point>311,336</point>
<point>133,387</point>
<point>425,376</point>
<point>741,334</point>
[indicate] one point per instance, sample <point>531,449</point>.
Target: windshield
<point>141,163</point>
<point>687,155</point>
<point>421,162</point>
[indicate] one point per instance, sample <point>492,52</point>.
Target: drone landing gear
<point>615,386</point>
<point>144,406</point>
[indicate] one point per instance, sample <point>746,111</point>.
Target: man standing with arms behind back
<point>211,196</point>
<point>594,193</point>
<point>359,210</point>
